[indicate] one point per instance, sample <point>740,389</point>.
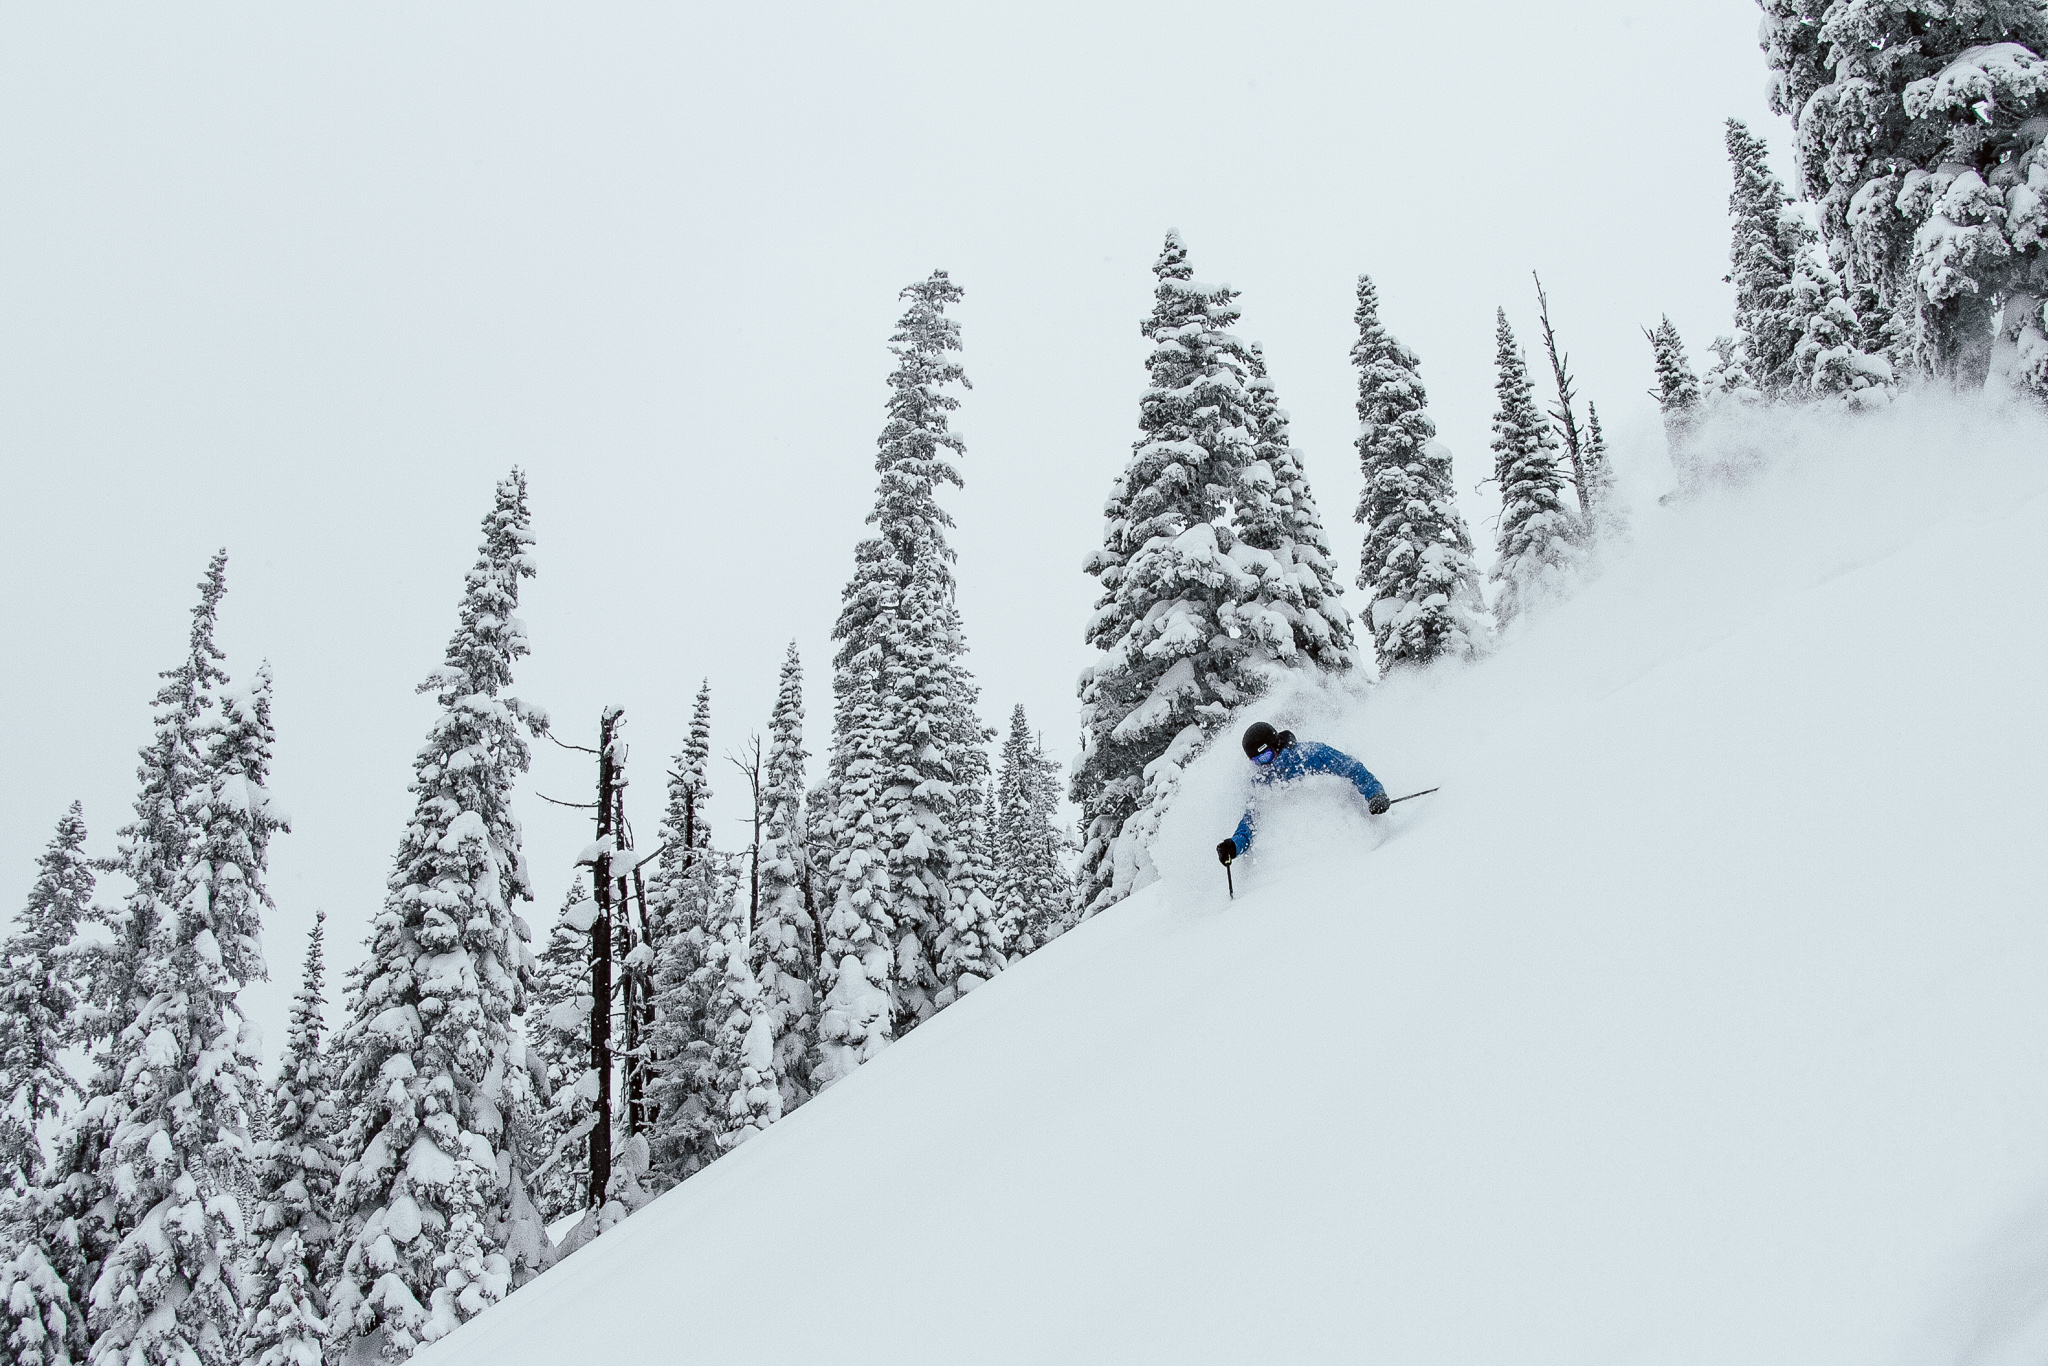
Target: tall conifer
<point>1171,671</point>
<point>1295,612</point>
<point>689,961</point>
<point>431,1068</point>
<point>1769,238</point>
<point>1033,892</point>
<point>906,738</point>
<point>177,1124</point>
<point>39,993</point>
<point>294,1190</point>
<point>42,1322</point>
<point>785,937</point>
<point>1539,541</point>
<point>1417,561</point>
<point>1678,387</point>
<point>558,1037</point>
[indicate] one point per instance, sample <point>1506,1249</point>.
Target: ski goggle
<point>1265,756</point>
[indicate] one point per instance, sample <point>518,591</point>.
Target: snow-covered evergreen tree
<point>41,1322</point>
<point>1296,611</point>
<point>1610,512</point>
<point>77,1217</point>
<point>430,1066</point>
<point>853,1022</point>
<point>1769,240</point>
<point>1417,561</point>
<point>972,947</point>
<point>686,821</point>
<point>905,732</point>
<point>1921,142</point>
<point>558,1038</point>
<point>1731,379</point>
<point>157,845</point>
<point>1800,334</point>
<point>1033,892</point>
<point>686,1092</point>
<point>1539,541</point>
<point>294,1187</point>
<point>743,1054</point>
<point>1678,392</point>
<point>1170,673</point>
<point>39,993</point>
<point>689,961</point>
<point>785,937</point>
<point>178,1123</point>
<point>1828,360</point>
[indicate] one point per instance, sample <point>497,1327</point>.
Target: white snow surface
<point>1699,1018</point>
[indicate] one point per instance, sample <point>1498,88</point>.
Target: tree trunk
<point>1568,424</point>
<point>601,964</point>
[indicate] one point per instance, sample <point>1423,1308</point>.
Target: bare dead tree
<point>748,761</point>
<point>1562,414</point>
<point>602,879</point>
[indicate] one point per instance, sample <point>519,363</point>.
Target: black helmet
<point>1262,736</point>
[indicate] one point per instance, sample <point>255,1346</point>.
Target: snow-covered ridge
<point>1697,1019</point>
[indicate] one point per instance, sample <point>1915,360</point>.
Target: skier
<point>1279,758</point>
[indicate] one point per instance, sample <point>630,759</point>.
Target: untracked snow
<point>1701,1017</point>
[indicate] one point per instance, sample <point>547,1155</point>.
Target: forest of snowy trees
<point>496,1092</point>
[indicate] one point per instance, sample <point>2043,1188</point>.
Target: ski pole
<point>1230,882</point>
<point>1413,795</point>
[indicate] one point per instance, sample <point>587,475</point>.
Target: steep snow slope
<point>1702,1017</point>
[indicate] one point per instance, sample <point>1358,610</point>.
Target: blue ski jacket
<point>1294,763</point>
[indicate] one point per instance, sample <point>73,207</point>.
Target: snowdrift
<point>1702,1017</point>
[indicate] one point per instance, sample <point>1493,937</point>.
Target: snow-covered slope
<point>1702,1017</point>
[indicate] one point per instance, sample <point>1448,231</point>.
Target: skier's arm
<point>1327,760</point>
<point>1243,838</point>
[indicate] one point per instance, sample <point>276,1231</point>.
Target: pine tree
<point>1828,359</point>
<point>294,1188</point>
<point>1296,610</point>
<point>905,732</point>
<point>1609,511</point>
<point>1032,892</point>
<point>430,1066</point>
<point>41,1323</point>
<point>743,1055</point>
<point>1678,388</point>
<point>1171,672</point>
<point>1916,123</point>
<point>558,1037</point>
<point>785,936</point>
<point>1539,540</point>
<point>178,1121</point>
<point>971,948</point>
<point>1731,379</point>
<point>853,1022</point>
<point>77,1216</point>
<point>1769,241</point>
<point>686,821</point>
<point>1417,561</point>
<point>157,844</point>
<point>688,961</point>
<point>39,993</point>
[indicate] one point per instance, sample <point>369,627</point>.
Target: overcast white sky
<point>305,280</point>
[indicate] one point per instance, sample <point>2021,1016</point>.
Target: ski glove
<point>1226,851</point>
<point>1379,805</point>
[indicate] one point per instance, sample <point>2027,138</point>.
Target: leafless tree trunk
<point>1567,422</point>
<point>748,761</point>
<point>602,878</point>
